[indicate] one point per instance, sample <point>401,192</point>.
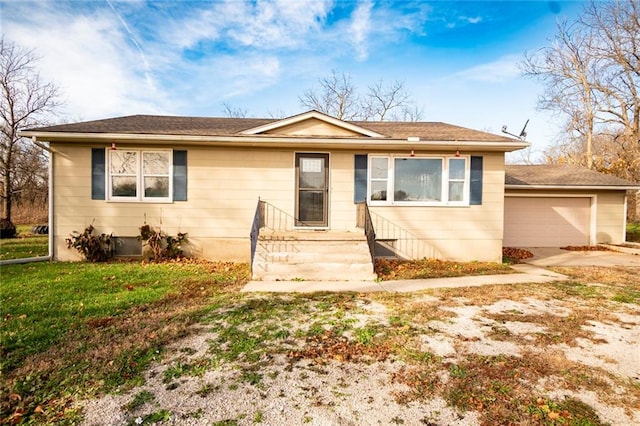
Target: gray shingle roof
<point>161,125</point>
<point>560,175</point>
<point>220,126</point>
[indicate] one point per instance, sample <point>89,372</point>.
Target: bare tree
<point>382,100</point>
<point>234,112</point>
<point>617,28</point>
<point>409,113</point>
<point>25,102</point>
<point>30,176</point>
<point>568,67</point>
<point>277,114</point>
<point>592,76</point>
<point>339,97</point>
<point>609,156</point>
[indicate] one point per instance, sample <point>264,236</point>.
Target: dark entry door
<point>312,189</point>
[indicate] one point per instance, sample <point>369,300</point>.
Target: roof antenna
<point>521,136</point>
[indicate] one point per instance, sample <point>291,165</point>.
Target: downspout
<point>50,238</point>
<point>51,233</point>
<point>624,217</point>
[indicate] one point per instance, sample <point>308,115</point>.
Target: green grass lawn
<point>633,232</point>
<point>76,328</point>
<point>25,245</point>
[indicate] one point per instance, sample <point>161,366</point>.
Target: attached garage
<point>547,221</point>
<point>561,205</point>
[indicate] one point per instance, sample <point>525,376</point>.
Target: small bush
<point>93,248</point>
<point>7,229</point>
<point>160,245</point>
<point>633,232</point>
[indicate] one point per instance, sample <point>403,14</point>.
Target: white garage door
<point>546,221</point>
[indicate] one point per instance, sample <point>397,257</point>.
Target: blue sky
<point>457,59</point>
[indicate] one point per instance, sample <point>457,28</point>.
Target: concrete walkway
<point>527,274</point>
<point>531,272</point>
<point>546,257</point>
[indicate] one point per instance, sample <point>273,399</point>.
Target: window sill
<point>163,201</point>
<point>415,204</point>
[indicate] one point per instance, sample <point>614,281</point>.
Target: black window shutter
<point>475,197</point>
<point>179,175</point>
<point>97,173</point>
<point>360,178</point>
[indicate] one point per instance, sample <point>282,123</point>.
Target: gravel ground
<point>337,392</point>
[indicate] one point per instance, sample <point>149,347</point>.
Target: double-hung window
<point>140,175</point>
<point>379,180</point>
<point>458,178</point>
<point>402,180</point>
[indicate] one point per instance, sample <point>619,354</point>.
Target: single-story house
<point>422,189</point>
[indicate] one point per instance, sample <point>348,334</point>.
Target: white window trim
<point>390,201</point>
<point>466,189</point>
<point>139,198</point>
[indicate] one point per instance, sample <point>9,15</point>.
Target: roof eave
<point>276,141</point>
<point>585,187</point>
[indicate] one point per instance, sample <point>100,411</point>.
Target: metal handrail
<point>405,244</point>
<point>276,219</point>
<point>380,230</point>
<point>369,230</point>
<point>258,222</point>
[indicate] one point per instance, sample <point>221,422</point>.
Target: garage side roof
<point>560,176</point>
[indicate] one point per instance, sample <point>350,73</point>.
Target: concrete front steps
<point>312,256</point>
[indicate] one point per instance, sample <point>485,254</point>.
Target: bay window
<point>419,180</point>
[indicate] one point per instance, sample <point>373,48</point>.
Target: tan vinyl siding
<point>223,190</point>
<point>462,233</point>
<point>313,127</point>
<point>611,217</point>
<point>342,212</point>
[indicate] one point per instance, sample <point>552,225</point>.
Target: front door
<point>312,189</point>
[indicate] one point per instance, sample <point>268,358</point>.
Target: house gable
<point>313,127</point>
<point>310,124</point>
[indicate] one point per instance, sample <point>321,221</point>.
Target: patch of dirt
<point>395,269</point>
<point>615,275</point>
<point>585,248</point>
<point>618,349</point>
<point>328,346</point>
<point>517,355</point>
<point>302,391</point>
<point>630,244</point>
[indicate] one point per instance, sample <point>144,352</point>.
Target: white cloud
<point>502,69</point>
<point>474,20</point>
<point>360,28</point>
<point>263,24</point>
<point>87,56</point>
<point>242,75</point>
<point>176,59</point>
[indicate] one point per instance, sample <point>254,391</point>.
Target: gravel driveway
<point>522,354</point>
